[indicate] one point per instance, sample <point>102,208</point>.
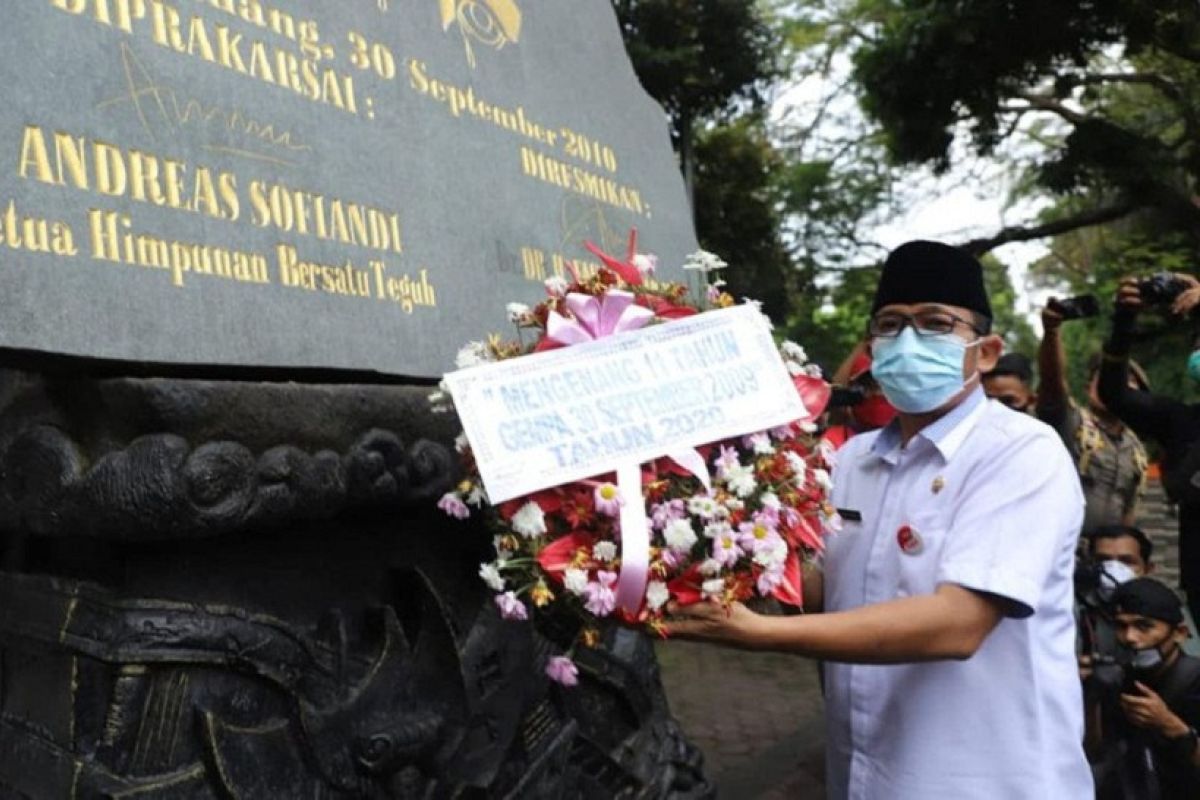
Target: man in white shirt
<point>949,631</point>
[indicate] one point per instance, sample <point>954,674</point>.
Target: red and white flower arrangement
<point>745,536</point>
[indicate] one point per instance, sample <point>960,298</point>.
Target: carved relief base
<point>223,589</point>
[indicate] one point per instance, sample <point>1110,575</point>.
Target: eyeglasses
<point>889,325</point>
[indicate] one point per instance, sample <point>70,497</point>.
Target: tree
<point>709,62</point>
<point>1120,80</point>
<point>700,59</point>
<point>738,209</point>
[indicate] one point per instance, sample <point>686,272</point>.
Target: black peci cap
<point>1016,364</point>
<point>1148,598</point>
<point>932,272</point>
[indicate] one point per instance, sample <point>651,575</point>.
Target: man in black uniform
<point>1173,424</point>
<point>1154,735</point>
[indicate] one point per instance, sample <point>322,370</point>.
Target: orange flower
<point>540,594</point>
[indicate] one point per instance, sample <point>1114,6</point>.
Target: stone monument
<point>239,239</point>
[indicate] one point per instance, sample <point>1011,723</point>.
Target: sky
<point>970,201</point>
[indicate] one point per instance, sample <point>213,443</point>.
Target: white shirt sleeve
<point>1013,525</point>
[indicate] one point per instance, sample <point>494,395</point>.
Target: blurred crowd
<point>1141,689</point>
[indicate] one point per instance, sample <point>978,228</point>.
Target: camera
<point>846,396</point>
<point>1081,307</point>
<point>1160,288</point>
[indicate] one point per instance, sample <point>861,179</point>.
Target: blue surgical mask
<point>918,374</point>
<point>1193,367</point>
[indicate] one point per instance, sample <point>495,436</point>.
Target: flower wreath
<point>745,536</point>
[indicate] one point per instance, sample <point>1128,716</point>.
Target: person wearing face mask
<point>948,634</point>
<point>1011,382</point>
<point>1151,740</point>
<point>1170,422</point>
<point>1111,459</point>
<point>1115,554</point>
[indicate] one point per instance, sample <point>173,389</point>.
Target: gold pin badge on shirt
<point>939,483</point>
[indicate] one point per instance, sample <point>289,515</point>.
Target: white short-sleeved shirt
<point>992,502</point>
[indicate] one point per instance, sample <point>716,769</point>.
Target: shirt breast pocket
<point>918,547</point>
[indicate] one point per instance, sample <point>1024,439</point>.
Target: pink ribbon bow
<point>594,318</point>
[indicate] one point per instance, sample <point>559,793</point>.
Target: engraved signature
<point>155,101</point>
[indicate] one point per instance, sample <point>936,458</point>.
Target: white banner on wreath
<point>563,415</point>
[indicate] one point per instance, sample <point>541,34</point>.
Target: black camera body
<point>846,396</point>
<point>1160,288</point>
<point>1082,307</point>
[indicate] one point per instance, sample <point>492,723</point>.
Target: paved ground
<point>758,716</point>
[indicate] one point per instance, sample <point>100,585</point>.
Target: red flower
<point>546,343</point>
<point>579,511</point>
<point>686,588</point>
<point>628,272</point>
<point>555,557</point>
<point>664,309</point>
<point>805,534</point>
<point>815,393</point>
<point>791,591</point>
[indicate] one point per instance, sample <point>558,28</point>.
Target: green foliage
<point>699,58</point>
<point>1018,334</point>
<point>939,62</point>
<point>1127,127</point>
<point>738,206</point>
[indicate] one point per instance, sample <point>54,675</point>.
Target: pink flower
<point>453,505</point>
<point>769,580</point>
<point>510,607</point>
<point>561,669</point>
<point>663,513</point>
<point>784,432</point>
<point>727,459</point>
<point>768,517</point>
<point>601,599</point>
<point>790,516</point>
<point>759,442</point>
<point>594,318</point>
<point>608,499</point>
<point>725,550</point>
<point>758,536</point>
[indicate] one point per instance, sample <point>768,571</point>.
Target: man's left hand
<point>1147,710</point>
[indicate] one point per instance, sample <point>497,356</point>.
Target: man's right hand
<point>1052,320</point>
<point>1128,295</point>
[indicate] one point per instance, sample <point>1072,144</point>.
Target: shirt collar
<point>945,433</point>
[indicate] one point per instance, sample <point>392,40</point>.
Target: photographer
<point>1149,727</point>
<point>1173,424</point>
<point>1110,459</point>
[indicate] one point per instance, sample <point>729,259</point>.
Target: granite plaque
<point>356,185</point>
